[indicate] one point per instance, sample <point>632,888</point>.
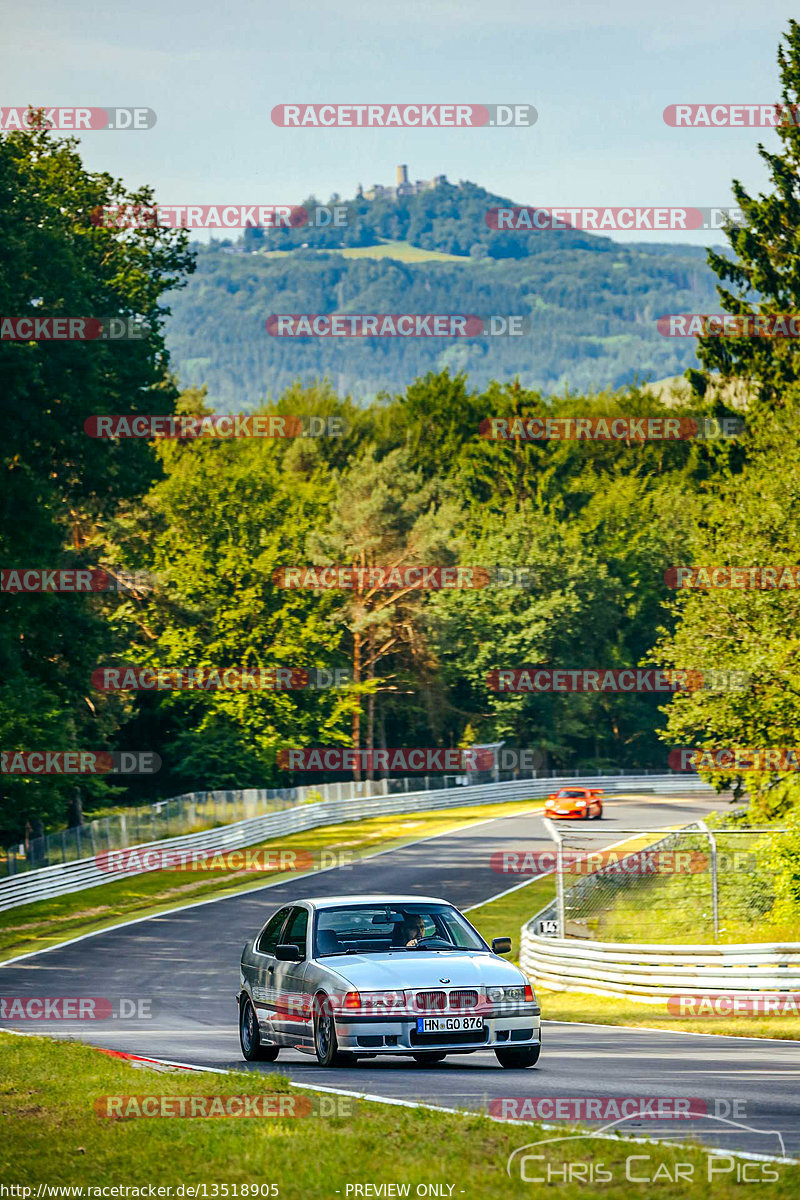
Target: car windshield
<point>572,795</point>
<point>378,928</point>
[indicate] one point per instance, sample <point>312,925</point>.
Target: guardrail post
<point>555,834</point>
<point>714,878</point>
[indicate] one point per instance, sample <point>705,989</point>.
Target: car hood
<point>421,968</point>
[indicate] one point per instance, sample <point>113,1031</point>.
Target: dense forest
<point>592,305</point>
<point>410,480</point>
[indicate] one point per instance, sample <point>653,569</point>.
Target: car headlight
<point>581,804</point>
<point>518,994</point>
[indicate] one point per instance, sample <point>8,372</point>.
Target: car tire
<point>250,1038</point>
<point>326,1046</point>
<point>599,816</point>
<point>524,1056</point>
<point>425,1060</point>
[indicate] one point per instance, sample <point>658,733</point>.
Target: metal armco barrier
<point>651,974</point>
<point>62,878</point>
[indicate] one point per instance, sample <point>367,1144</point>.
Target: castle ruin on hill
<point>404,186</point>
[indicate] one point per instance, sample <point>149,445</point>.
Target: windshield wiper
<point>355,950</point>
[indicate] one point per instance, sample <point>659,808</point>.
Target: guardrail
<point>58,880</point>
<point>197,811</point>
<point>650,974</point>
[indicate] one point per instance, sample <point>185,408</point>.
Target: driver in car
<point>412,930</point>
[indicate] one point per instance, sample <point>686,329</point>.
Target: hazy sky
<point>599,74</point>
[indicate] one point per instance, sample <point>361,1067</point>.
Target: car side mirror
<point>499,945</point>
<point>290,953</point>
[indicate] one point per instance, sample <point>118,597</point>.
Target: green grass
<point>50,1133</point>
<point>35,926</point>
<point>402,251</point>
<point>506,916</point>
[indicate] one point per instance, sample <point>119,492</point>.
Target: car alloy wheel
<point>249,1037</point>
<point>325,1042</point>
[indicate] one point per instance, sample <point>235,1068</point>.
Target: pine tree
<point>764,277</point>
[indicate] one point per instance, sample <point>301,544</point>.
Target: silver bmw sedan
<point>346,977</point>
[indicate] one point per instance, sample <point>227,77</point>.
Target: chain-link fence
<point>196,811</point>
<point>190,813</point>
<point>698,884</point>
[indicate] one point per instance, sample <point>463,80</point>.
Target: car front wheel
<point>325,1042</point>
<point>249,1037</point>
<point>525,1056</point>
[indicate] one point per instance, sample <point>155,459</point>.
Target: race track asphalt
<point>185,963</point>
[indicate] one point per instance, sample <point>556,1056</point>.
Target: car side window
<point>269,938</point>
<point>295,932</point>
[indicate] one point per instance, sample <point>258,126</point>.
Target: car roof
<point>380,898</point>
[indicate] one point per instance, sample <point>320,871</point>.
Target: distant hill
<point>593,303</point>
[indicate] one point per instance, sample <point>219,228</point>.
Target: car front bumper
<point>398,1035</point>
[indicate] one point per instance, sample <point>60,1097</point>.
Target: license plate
<point>448,1024</point>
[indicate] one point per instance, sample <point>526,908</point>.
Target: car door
<point>264,962</point>
<point>292,1019</point>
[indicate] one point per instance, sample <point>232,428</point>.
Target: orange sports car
<point>577,803</point>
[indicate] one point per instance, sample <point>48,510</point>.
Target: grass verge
<point>613,1010</point>
<point>46,922</point>
<point>50,1133</point>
